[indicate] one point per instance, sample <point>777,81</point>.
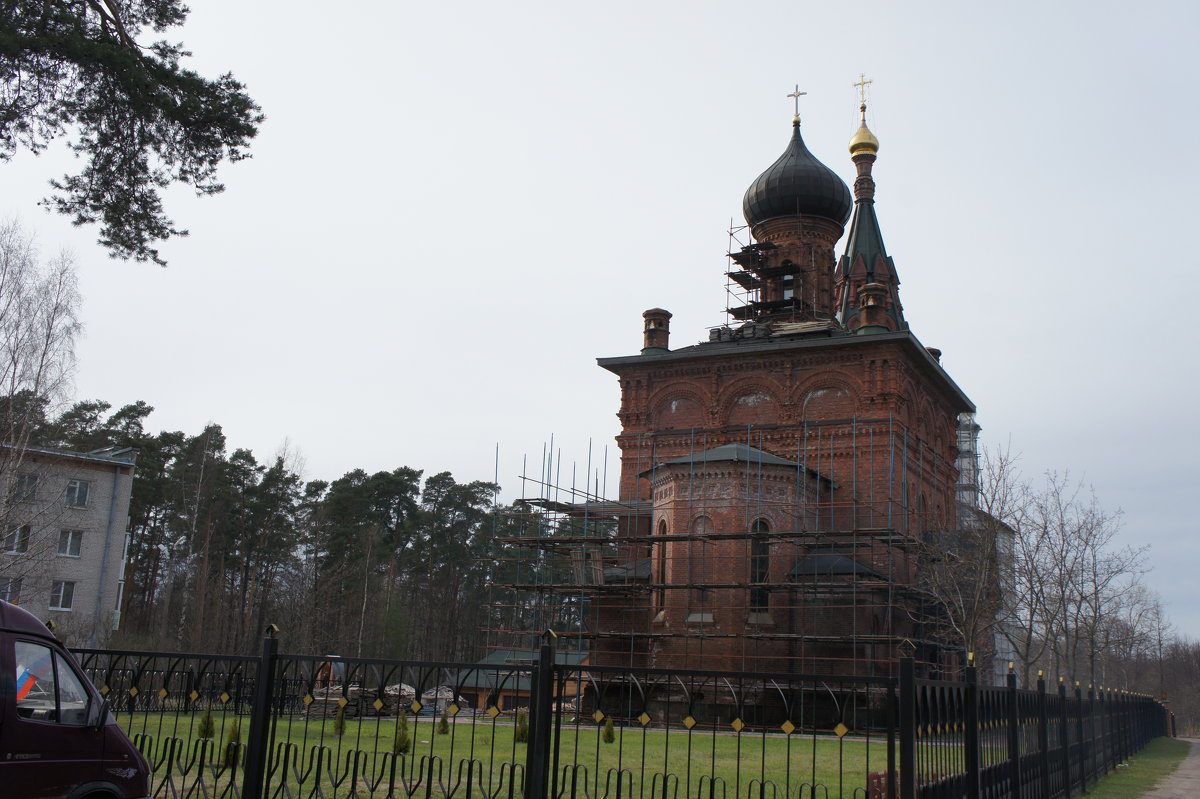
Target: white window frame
<point>60,591</point>
<point>16,541</point>
<point>24,488</point>
<point>71,495</point>
<point>10,589</point>
<point>68,537</point>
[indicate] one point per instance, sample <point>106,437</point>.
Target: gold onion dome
<point>863,140</point>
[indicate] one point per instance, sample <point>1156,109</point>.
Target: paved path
<point>1185,782</point>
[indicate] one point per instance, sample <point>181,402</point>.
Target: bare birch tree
<point>38,328</point>
<point>966,571</point>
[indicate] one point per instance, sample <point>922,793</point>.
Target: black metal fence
<point>325,726</point>
<point>960,739</point>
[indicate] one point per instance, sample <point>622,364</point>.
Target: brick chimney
<point>657,331</point>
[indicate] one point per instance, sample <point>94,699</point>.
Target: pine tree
<point>233,744</point>
<point>401,743</point>
<point>609,734</point>
<point>206,729</point>
<point>339,722</point>
<point>443,727</point>
<point>522,733</point>
<point>138,119</point>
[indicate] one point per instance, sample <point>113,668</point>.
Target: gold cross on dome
<point>862,85</point>
<point>796,95</point>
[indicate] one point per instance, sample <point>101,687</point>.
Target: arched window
<point>760,565</point>
<point>660,566</point>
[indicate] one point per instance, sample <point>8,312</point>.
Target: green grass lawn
<point>480,751</point>
<point>1146,769</point>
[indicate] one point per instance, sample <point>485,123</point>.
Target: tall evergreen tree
<point>137,117</point>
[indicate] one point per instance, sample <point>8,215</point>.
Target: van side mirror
<point>97,715</point>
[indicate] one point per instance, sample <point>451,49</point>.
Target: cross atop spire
<point>862,85</point>
<point>796,95</point>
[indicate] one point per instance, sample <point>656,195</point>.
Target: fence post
<point>541,691</point>
<point>1043,735</point>
<point>1083,742</point>
<point>260,719</point>
<point>1093,751</point>
<point>1105,730</point>
<point>1014,736</point>
<point>908,729</point>
<point>1064,737</point>
<point>971,739</point>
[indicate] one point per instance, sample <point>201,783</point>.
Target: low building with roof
<point>505,675</point>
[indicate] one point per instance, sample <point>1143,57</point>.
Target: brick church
<point>776,478</point>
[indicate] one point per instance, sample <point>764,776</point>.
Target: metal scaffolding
<point>801,565</point>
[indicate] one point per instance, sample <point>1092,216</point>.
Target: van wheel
<point>96,791</point>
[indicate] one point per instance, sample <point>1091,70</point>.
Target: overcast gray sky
<point>454,208</point>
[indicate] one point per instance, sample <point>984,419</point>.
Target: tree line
<point>397,564</point>
<point>389,564</point>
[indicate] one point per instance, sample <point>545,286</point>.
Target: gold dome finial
<point>863,140</point>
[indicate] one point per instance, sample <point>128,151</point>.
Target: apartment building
<point>65,520</point>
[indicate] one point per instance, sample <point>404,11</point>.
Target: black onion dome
<point>797,183</point>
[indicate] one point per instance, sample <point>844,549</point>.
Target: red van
<point>57,738</point>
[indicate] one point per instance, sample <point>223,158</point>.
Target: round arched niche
<point>680,413</point>
<point>827,402</point>
<point>754,406</point>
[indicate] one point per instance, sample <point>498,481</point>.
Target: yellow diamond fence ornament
<point>453,710</point>
<point>377,704</point>
<point>689,722</point>
<point>133,691</point>
<point>194,695</point>
<point>787,727</point>
<point>224,697</point>
<point>416,706</point>
<point>841,730</point>
<point>162,693</point>
<point>644,719</point>
<point>342,701</point>
<point>104,689</point>
<point>597,717</point>
<point>738,725</point>
<point>493,711</point>
<point>308,700</point>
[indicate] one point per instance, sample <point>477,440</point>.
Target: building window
<point>660,567</point>
<point>62,595</point>
<point>10,589</point>
<point>17,541</point>
<point>24,488</point>
<point>760,566</point>
<point>77,493</point>
<point>70,542</point>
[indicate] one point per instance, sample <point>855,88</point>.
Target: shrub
<point>609,734</point>
<point>522,733</point>
<point>401,742</point>
<point>207,728</point>
<point>233,744</point>
<point>443,727</point>
<point>339,722</point>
